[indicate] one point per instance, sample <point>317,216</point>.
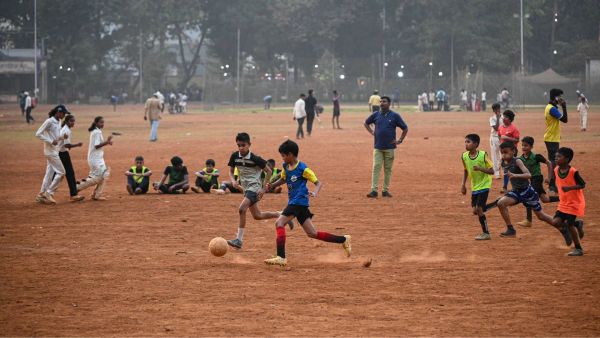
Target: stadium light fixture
<point>227,66</point>
<point>342,76</point>
<point>400,74</point>
<point>385,64</point>
<point>555,52</point>
<point>430,63</point>
<point>440,74</point>
<point>316,66</point>
<point>401,66</point>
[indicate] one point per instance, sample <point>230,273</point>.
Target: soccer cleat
<point>566,235</point>
<point>509,233</point>
<point>40,198</point>
<point>579,227</point>
<point>386,194</point>
<point>347,245</point>
<point>77,198</point>
<point>48,198</point>
<point>236,243</point>
<point>129,190</point>
<point>576,252</point>
<point>483,237</point>
<point>100,198</point>
<point>525,224</point>
<point>372,194</point>
<point>276,261</point>
<point>196,190</point>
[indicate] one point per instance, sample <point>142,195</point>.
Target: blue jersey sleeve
<point>400,122</point>
<point>555,113</point>
<point>371,119</point>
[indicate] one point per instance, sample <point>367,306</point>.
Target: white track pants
<point>495,153</point>
<point>54,174</point>
<point>98,175</point>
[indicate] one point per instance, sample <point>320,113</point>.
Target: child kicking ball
<point>295,174</point>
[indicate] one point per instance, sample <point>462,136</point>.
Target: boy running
<point>250,167</point>
<point>479,168</point>
<point>508,132</point>
<point>532,162</point>
<point>572,203</point>
<point>522,192</point>
<point>296,174</point>
<point>207,178</point>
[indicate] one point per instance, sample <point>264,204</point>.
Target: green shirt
<point>479,180</point>
<point>174,175</point>
<point>532,163</point>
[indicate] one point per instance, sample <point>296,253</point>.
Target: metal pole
<point>383,53</point>
<point>451,65</point>
<point>141,71</point>
<point>522,58</point>
<point>35,58</point>
<point>287,79</point>
<point>238,67</point>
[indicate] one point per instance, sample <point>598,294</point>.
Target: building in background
<point>17,73</point>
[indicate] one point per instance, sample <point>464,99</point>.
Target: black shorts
<point>336,112</point>
<point>252,196</point>
<point>206,186</point>
<point>301,212</point>
<point>537,182</point>
<point>568,218</point>
<point>479,199</point>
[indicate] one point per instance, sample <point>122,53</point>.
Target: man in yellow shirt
<point>553,119</point>
<point>374,101</point>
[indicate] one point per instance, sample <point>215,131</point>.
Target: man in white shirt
<point>463,99</point>
<point>483,100</point>
<point>161,99</point>
<point>495,139</point>
<point>300,115</point>
<point>28,107</point>
<point>49,133</point>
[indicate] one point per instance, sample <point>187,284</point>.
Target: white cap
<point>26,93</point>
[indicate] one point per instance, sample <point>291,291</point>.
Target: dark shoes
<point>386,194</point>
<point>510,232</point>
<point>372,194</point>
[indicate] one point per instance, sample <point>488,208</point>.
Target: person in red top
<point>570,191</point>
<point>508,132</point>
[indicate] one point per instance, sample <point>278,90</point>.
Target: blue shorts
<point>528,197</point>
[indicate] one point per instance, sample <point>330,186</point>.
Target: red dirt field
<point>139,265</point>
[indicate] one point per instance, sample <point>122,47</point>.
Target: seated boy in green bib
<point>207,178</point>
<point>138,177</point>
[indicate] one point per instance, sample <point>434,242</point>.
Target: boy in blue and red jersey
<point>295,174</point>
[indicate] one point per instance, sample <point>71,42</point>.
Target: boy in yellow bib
<point>479,168</point>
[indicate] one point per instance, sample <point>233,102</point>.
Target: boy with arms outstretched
<point>522,192</point>
<point>480,169</point>
<point>532,162</point>
<point>295,174</point>
<point>250,166</point>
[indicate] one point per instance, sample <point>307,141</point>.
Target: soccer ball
<point>218,246</point>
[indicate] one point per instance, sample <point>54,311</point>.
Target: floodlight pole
<point>141,70</point>
<point>35,58</point>
<point>238,67</point>
<point>522,58</point>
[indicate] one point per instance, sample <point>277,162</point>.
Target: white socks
<point>240,234</point>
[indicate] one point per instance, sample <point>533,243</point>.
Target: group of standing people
<point>55,133</point>
<point>306,108</point>
<point>472,102</point>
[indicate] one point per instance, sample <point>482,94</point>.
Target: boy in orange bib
<point>570,191</point>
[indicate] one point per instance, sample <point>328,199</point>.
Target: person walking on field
<point>49,133</point>
<point>152,112</point>
<point>553,118</point>
<point>374,101</point>
<point>310,105</point>
<point>582,108</point>
<point>385,122</point>
<point>336,110</point>
<point>300,115</point>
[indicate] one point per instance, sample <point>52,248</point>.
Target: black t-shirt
<point>309,104</point>
<point>174,175</point>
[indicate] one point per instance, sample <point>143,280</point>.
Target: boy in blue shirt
<point>295,174</point>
